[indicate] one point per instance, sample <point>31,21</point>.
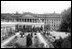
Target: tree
<point>66,21</point>
<point>41,28</point>
<point>65,27</point>
<point>46,27</point>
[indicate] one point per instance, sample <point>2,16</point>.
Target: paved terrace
<point>8,40</point>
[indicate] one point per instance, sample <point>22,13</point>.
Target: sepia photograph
<point>35,24</point>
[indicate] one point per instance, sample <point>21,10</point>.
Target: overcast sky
<point>34,6</point>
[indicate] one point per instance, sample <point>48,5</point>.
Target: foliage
<point>65,27</point>
<point>66,43</point>
<point>66,21</point>
<point>63,43</point>
<point>46,27</point>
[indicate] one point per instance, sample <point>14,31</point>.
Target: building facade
<point>52,19</point>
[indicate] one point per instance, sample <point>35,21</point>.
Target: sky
<point>34,6</point>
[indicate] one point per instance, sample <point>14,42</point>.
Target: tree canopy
<point>66,21</point>
<point>65,27</point>
<point>46,27</point>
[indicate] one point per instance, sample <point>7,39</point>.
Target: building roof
<point>49,15</point>
<point>30,15</point>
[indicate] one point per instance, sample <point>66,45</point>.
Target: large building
<point>52,19</point>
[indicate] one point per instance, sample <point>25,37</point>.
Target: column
<point>29,20</point>
<point>32,20</point>
<point>35,20</point>
<point>25,20</point>
<point>19,20</point>
<point>13,20</point>
<point>22,20</point>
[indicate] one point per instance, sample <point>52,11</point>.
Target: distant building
<point>52,19</point>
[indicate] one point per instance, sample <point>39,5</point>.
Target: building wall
<point>53,20</point>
